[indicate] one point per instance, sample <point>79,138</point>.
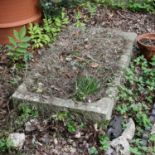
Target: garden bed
<point>78,53</point>
<point>96,52</point>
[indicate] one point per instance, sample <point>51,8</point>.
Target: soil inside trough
<point>94,52</point>
<point>148,42</point>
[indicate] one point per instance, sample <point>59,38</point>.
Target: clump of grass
<point>85,86</point>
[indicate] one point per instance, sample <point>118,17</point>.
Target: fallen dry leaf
<point>94,65</point>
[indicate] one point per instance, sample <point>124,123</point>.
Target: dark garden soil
<point>148,42</point>
<point>10,77</point>
<point>91,52</point>
<point>51,138</point>
<point>125,20</point>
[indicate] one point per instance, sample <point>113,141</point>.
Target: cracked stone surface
<point>95,111</point>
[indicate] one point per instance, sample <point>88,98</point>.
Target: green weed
<point>85,86</point>
<point>25,112</point>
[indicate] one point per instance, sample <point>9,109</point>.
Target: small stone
<point>153,112</point>
<point>45,139</point>
<point>96,127</point>
<point>70,141</point>
<point>130,130</point>
<point>115,128</point>
<point>72,150</point>
<point>152,118</point>
<point>31,125</point>
<point>119,146</point>
<point>68,59</point>
<point>40,87</point>
<point>153,129</point>
<point>74,144</point>
<point>145,136</point>
<point>78,135</point>
<point>17,139</point>
<point>55,141</point>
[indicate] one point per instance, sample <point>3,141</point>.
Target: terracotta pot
<point>16,13</point>
<point>147,50</point>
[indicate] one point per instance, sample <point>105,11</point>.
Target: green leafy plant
<point>92,151</point>
<point>18,47</point>
<point>90,7</point>
<point>122,108</point>
<point>135,100</point>
<point>5,144</point>
<point>135,151</point>
<point>25,112</point>
<point>138,148</point>
<point>136,96</point>
<point>71,126</point>
<point>152,138</point>
<point>145,5</point>
<point>104,142</point>
<point>47,32</point>
<point>37,35</point>
<point>85,86</point>
<point>52,25</point>
<point>79,23</point>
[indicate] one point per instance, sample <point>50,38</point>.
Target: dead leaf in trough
<point>94,65</point>
<point>88,46</point>
<point>78,135</point>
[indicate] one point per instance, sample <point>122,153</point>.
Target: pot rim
<point>145,36</point>
<point>20,23</point>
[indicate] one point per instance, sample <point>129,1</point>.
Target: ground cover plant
<point>135,97</point>
<point>145,5</point>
